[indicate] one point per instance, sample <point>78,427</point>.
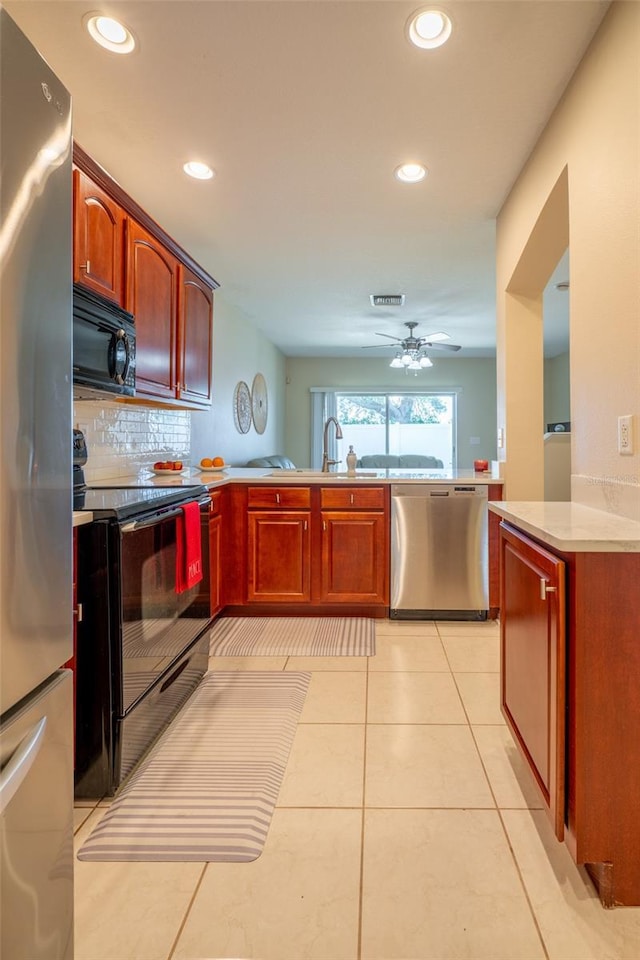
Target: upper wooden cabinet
<point>98,239</point>
<point>122,253</point>
<point>195,337</point>
<point>152,295</point>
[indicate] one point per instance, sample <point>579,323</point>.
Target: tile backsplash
<point>123,438</point>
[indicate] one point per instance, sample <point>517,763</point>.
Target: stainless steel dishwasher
<point>439,551</point>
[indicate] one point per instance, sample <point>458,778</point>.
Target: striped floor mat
<point>208,788</point>
<point>293,637</point>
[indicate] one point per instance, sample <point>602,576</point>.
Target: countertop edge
<point>571,527</point>
<point>81,517</point>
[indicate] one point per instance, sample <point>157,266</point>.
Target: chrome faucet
<point>326,463</point>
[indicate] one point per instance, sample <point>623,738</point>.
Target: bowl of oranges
<point>211,464</point>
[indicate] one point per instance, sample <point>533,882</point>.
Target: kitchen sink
<point>302,473</point>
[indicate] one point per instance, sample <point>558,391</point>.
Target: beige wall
<point>476,400</point>
<point>557,400</point>
<point>594,135</point>
<point>240,351</point>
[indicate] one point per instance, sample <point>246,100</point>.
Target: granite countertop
<point>216,478</point>
<point>571,527</point>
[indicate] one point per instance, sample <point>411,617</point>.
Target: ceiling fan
<point>411,350</point>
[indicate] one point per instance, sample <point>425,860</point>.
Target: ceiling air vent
<point>387,299</point>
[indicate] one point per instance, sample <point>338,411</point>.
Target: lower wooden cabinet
<point>570,637</point>
<point>353,557</point>
<point>279,556</point>
<point>317,546</point>
<point>533,658</point>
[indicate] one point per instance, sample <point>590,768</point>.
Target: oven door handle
<point>158,517</point>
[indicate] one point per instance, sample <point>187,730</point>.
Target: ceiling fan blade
<point>372,346</point>
<point>453,347</point>
<point>397,339</point>
<point>435,337</point>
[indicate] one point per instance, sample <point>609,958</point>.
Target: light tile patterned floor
<point>406,827</point>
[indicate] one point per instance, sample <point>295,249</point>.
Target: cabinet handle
<point>79,612</point>
<point>545,589</point>
<point>86,266</point>
<point>351,495</point>
<point>305,525</point>
<point>277,498</point>
<point>324,524</point>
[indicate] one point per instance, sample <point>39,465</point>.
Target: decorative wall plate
<point>242,407</point>
<point>259,403</point>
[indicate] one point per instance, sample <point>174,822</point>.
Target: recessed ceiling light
<point>110,33</point>
<point>197,170</point>
<point>429,28</point>
<point>410,172</point>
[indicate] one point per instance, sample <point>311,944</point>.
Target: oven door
<point>156,624</point>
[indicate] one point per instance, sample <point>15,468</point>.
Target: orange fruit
<point>206,462</point>
<point>218,461</point>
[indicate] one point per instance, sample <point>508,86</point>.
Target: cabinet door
<point>215,568</point>
<point>278,561</point>
<point>98,239</point>
<point>195,338</point>
<point>354,561</point>
<point>533,661</point>
<point>152,299</point>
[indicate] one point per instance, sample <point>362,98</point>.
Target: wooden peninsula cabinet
<point>570,680</point>
<point>314,550</point>
<point>354,545</point>
<point>279,544</point>
<point>533,660</point>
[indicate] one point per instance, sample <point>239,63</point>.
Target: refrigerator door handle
<point>16,770</point>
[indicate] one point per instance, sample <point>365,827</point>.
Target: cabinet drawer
<point>366,498</point>
<point>279,497</point>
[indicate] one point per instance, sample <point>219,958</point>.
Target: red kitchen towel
<point>188,547</point>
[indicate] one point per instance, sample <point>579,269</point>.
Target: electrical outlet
<point>625,435</point>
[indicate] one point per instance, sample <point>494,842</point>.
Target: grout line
<point>182,924</point>
<point>362,816</point>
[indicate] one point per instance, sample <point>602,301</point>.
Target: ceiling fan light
<point>405,359</point>
<point>425,361</point>
<point>396,362</point>
<point>414,365</point>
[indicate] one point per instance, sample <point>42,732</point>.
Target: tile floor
<point>406,829</point>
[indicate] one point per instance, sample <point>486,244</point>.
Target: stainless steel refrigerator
<point>36,704</point>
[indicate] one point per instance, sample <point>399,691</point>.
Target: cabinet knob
<point>545,589</point>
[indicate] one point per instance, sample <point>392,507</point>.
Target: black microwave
<point>104,347</point>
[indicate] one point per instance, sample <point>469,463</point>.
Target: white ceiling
<point>304,108</point>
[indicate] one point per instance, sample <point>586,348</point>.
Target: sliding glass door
<point>398,424</point>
